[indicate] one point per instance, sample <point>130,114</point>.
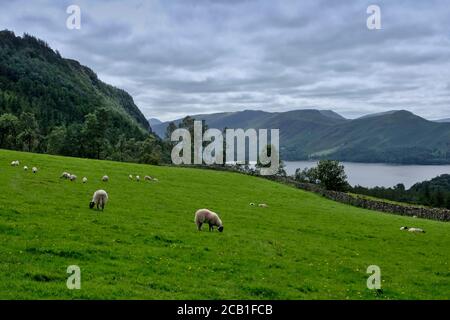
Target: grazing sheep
<point>105,178</point>
<point>25,168</point>
<point>263,205</point>
<point>209,217</point>
<point>130,177</point>
<point>15,163</point>
<point>84,179</point>
<point>147,178</point>
<point>99,199</point>
<point>252,204</point>
<point>138,178</point>
<point>155,179</point>
<point>65,175</point>
<point>34,169</point>
<point>72,177</point>
<point>418,230</point>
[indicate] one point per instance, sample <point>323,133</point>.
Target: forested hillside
<point>56,105</point>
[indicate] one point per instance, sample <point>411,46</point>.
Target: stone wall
<point>371,204</point>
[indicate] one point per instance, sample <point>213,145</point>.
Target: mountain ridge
<point>396,136</point>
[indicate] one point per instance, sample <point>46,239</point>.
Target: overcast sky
<point>198,56</point>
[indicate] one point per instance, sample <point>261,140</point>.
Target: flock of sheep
<point>202,216</point>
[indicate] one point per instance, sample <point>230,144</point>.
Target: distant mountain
<point>443,120</point>
<point>392,137</point>
<point>154,122</point>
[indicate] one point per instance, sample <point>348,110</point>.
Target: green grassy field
<point>145,244</point>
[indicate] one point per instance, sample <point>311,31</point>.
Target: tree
<point>307,175</point>
<point>29,133</point>
<point>56,140</point>
<point>331,175</point>
<point>9,125</point>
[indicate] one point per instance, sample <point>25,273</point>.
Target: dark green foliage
<point>329,174</point>
<point>55,105</point>
<point>434,193</point>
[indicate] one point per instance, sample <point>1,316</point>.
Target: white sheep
<point>147,178</point>
<point>138,178</point>
<point>84,179</point>
<point>34,169</point>
<point>65,175</point>
<point>155,179</point>
<point>252,203</point>
<point>72,177</point>
<point>418,230</point>
<point>105,178</point>
<point>15,163</point>
<point>25,168</point>
<point>99,199</point>
<point>130,177</point>
<point>209,217</point>
<point>263,205</point>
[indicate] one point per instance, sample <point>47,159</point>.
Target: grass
<point>145,244</point>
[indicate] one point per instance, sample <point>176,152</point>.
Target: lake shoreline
<point>379,174</point>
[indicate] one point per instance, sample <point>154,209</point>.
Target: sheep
<point>252,204</point>
<point>25,168</point>
<point>138,178</point>
<point>207,216</point>
<point>147,178</point>
<point>263,205</point>
<point>99,199</point>
<point>34,169</point>
<point>65,175</point>
<point>155,179</point>
<point>105,178</point>
<point>418,230</point>
<point>72,177</point>
<point>15,163</point>
<point>130,177</point>
<point>84,179</point>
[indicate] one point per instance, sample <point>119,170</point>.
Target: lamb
<point>15,163</point>
<point>34,169</point>
<point>130,177</point>
<point>252,204</point>
<point>84,179</point>
<point>72,177</point>
<point>418,230</point>
<point>147,178</point>
<point>207,216</point>
<point>155,179</point>
<point>25,168</point>
<point>99,199</point>
<point>263,205</point>
<point>105,178</point>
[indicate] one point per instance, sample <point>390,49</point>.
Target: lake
<point>379,174</point>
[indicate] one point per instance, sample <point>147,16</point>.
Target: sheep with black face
<point>209,217</point>
<point>99,199</point>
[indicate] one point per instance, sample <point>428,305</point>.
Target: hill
<point>154,121</point>
<point>393,137</point>
<point>145,244</point>
<point>50,104</point>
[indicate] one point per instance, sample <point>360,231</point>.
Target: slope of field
<point>145,244</point>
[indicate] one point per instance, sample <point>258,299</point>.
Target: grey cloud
<point>197,56</point>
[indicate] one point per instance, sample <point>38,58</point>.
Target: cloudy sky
<point>178,57</point>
